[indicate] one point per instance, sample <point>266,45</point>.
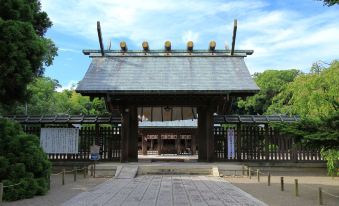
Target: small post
<point>250,173</point>
<point>320,196</point>
<point>75,174</point>
<point>258,175</point>
<point>63,176</point>
<point>269,179</point>
<point>85,172</point>
<point>296,187</point>
<point>1,192</point>
<point>92,170</point>
<point>235,173</point>
<point>282,183</point>
<point>243,170</point>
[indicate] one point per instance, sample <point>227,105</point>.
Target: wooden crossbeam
<point>234,36</point>
<point>100,39</point>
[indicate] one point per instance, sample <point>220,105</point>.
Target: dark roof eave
<point>181,92</point>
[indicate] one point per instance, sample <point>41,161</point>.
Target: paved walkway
<point>164,190</point>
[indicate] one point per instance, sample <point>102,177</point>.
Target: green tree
<point>313,95</point>
<point>24,51</point>
<point>330,2</point>
<point>23,162</point>
<point>45,100</point>
<point>271,82</point>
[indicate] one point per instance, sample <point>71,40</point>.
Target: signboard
<point>230,144</point>
<point>59,140</point>
<point>95,149</point>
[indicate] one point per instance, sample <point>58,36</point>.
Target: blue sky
<point>284,34</point>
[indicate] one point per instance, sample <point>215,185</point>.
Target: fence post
<point>267,152</point>
<point>239,137</point>
<point>269,179</point>
<point>250,173</point>
<point>75,174</point>
<point>296,187</point>
<point>243,170</point>
<point>258,175</point>
<point>320,196</point>
<point>1,192</point>
<point>84,172</point>
<point>63,176</point>
<point>92,170</point>
<point>282,183</point>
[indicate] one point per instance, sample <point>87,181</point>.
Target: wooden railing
<point>108,138</point>
<point>255,143</point>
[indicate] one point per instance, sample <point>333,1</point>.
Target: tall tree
<point>330,2</point>
<point>271,82</point>
<point>314,95</point>
<point>24,51</point>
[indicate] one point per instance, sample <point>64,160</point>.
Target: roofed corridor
<point>165,190</point>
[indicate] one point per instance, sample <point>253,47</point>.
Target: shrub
<point>22,161</point>
<point>332,158</point>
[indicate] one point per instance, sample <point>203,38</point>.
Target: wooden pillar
<point>267,143</point>
<point>177,144</point>
<point>193,144</point>
<point>129,135</point>
<point>239,136</point>
<point>159,144</point>
<point>205,134</point>
<point>144,144</point>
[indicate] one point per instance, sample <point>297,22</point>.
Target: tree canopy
<point>24,51</point>
<point>330,2</point>
<point>45,100</point>
<point>271,82</point>
<point>314,95</point>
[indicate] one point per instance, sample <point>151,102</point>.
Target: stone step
<point>126,171</point>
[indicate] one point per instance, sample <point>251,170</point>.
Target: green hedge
<point>22,161</point>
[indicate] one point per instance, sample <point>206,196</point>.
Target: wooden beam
<point>100,39</point>
<point>234,36</point>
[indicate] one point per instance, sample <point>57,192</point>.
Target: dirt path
<point>60,193</point>
<point>308,189</point>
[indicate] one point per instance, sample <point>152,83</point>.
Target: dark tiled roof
<point>90,119</point>
<point>137,74</point>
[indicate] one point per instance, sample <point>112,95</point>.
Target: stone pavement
<point>164,190</point>
<point>60,193</point>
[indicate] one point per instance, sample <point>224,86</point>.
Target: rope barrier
<point>57,173</point>
<point>12,185</point>
<point>324,191</point>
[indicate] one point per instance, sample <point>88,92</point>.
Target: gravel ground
<point>308,189</point>
<point>60,193</point>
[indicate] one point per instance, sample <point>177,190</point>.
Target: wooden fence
<point>256,143</point>
<point>251,143</point>
<point>108,138</point>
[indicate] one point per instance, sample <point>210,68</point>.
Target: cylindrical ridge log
<point>190,45</point>
<point>123,46</point>
<point>167,45</point>
<point>145,45</point>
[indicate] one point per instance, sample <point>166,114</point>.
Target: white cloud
<point>70,85</point>
<point>190,36</point>
<point>280,38</point>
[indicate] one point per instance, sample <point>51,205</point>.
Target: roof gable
<point>165,74</point>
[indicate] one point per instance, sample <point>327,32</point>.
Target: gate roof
<point>159,72</point>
